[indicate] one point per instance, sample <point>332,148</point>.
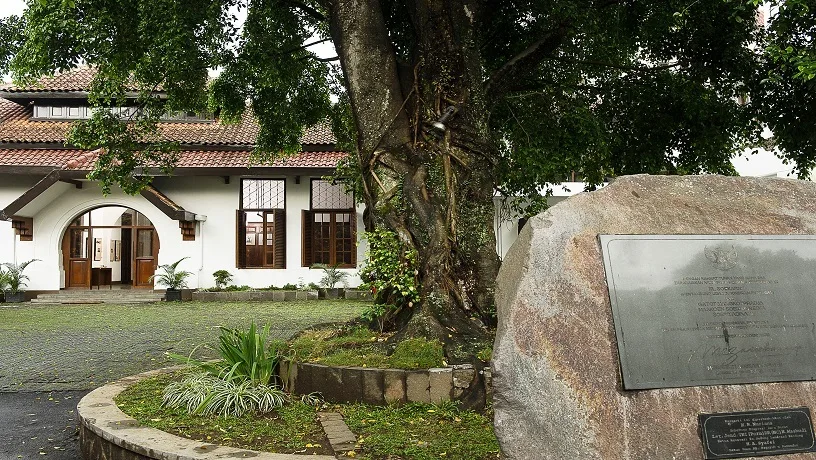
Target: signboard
<point>755,433</point>
<point>693,310</point>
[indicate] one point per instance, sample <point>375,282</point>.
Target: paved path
<point>53,355</point>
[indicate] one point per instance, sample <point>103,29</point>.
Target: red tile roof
<point>83,160</point>
<point>75,80</point>
<point>16,126</point>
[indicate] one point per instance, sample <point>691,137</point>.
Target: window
<point>329,227</point>
<point>261,224</point>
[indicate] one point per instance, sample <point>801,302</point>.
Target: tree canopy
<point>443,103</point>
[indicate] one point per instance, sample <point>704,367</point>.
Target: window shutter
<point>353,222</point>
<point>240,239</point>
<point>306,238</point>
<point>280,238</point>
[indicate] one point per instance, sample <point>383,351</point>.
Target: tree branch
<point>307,9</point>
<point>612,65</point>
<point>526,60</point>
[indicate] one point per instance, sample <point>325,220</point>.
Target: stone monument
<point>661,317</point>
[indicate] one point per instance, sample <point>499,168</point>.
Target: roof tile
<point>83,160</point>
<point>16,126</point>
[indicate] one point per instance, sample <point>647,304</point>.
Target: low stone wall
<point>244,296</point>
<point>271,296</point>
<point>107,433</point>
<point>462,383</point>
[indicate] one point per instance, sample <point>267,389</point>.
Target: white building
<point>265,224</point>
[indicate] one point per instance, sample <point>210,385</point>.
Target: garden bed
<point>409,431</point>
<point>106,432</point>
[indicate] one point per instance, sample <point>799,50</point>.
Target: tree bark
<point>434,188</point>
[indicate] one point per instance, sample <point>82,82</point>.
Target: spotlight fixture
<point>439,125</point>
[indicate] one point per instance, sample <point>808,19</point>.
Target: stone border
<point>108,433</point>
<point>244,296</point>
<point>384,386</point>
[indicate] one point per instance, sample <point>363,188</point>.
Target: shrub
<point>241,381</point>
<point>390,273</point>
<point>222,278</point>
<point>206,394</point>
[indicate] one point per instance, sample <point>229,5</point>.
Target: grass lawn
<point>411,431</point>
<point>77,347</point>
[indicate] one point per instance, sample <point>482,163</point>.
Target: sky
<point>762,164</point>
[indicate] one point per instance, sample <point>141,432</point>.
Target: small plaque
<point>757,433</point>
<point>692,310</point>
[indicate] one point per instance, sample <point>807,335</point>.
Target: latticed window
<point>329,235</point>
<point>261,224</point>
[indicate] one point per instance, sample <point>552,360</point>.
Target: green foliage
<point>390,272</point>
<point>205,394</point>
<point>243,380</point>
<point>485,354</point>
<point>332,275</point>
<point>13,278</point>
<point>245,355</point>
<point>222,278</point>
<point>171,277</point>
<point>418,353</point>
<point>4,280</point>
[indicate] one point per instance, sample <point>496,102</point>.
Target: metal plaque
<point>694,310</point>
<point>757,433</point>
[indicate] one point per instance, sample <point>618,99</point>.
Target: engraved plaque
<point>755,433</point>
<point>694,310</point>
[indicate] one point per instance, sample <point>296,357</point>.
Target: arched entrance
<point>110,245</point>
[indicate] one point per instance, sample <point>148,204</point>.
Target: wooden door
<point>146,250</point>
<point>77,258</point>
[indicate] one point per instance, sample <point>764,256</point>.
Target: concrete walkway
<point>53,355</point>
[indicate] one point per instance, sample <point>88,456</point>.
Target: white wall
<point>216,237</point>
<point>11,187</point>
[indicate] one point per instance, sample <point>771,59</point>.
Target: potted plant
<point>331,277</point>
<point>173,279</point>
<point>13,281</point>
<point>4,284</point>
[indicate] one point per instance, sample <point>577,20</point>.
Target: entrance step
<point>96,297</point>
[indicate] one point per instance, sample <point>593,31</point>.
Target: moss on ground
<point>359,346</point>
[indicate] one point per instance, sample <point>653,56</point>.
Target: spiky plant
<point>331,276</point>
<point>171,277</point>
<point>15,280</point>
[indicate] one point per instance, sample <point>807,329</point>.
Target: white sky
<point>762,164</point>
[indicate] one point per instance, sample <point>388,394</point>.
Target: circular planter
<point>105,432</point>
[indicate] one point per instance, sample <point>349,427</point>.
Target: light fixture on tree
<point>438,126</point>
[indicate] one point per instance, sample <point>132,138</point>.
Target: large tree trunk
<point>434,188</point>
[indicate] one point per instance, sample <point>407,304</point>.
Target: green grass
<point>359,346</point>
<point>291,429</point>
<point>74,347</point>
<point>411,431</point>
<point>420,432</point>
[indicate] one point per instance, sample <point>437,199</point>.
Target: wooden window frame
<point>308,232</point>
<point>278,225</point>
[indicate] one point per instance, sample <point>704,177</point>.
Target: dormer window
<point>55,112</point>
